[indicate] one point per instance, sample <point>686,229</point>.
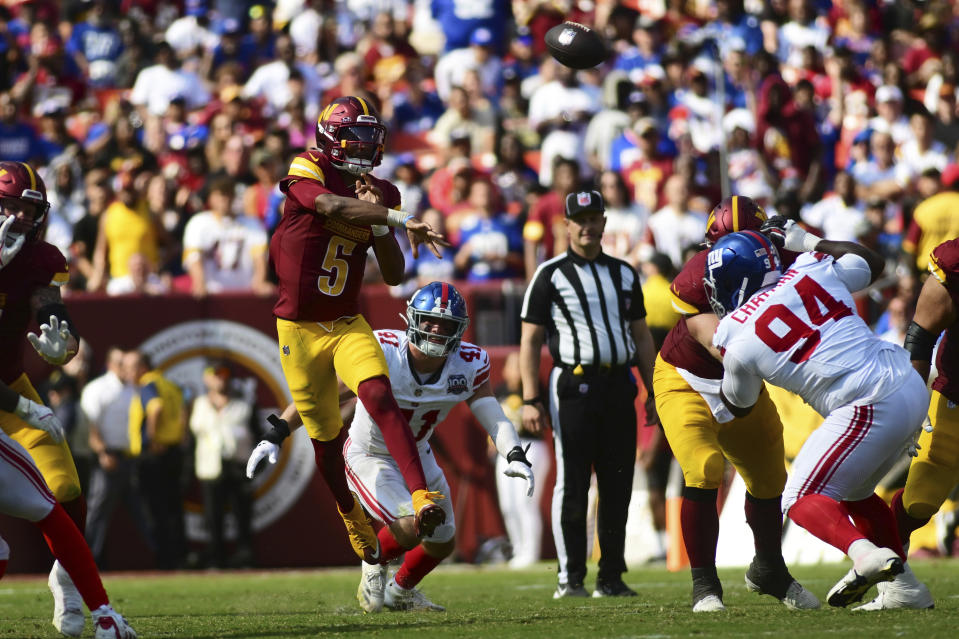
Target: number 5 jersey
<point>319,260</point>
<point>804,335</point>
<point>425,402</point>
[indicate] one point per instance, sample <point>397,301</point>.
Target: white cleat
<point>68,617</point>
<point>108,624</point>
<point>904,591</point>
<point>709,603</point>
<point>881,564</point>
<point>397,598</point>
<point>372,584</point>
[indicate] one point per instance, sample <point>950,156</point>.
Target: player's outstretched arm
<point>501,430</point>
<point>935,312</point>
<point>789,235</point>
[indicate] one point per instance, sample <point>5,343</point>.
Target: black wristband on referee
<point>533,401</point>
<point>919,342</point>
<point>518,454</point>
<point>279,432</point>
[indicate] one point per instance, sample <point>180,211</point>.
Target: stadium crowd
<point>162,129</point>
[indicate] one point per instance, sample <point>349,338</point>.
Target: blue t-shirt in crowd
<point>460,18</point>
<point>499,235</point>
<point>20,143</point>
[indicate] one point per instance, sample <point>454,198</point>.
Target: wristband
<point>398,218</point>
<point>533,401</point>
<point>518,454</point>
<point>379,230</point>
<point>919,342</point>
<point>279,432</point>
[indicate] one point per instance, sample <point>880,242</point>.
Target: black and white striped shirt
<point>586,307</point>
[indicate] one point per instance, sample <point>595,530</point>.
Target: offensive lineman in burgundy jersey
<point>935,471</point>
<point>334,212</point>
<point>31,273</point>
<point>703,434</point>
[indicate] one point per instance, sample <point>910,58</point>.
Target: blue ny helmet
<point>738,265</point>
<point>436,301</point>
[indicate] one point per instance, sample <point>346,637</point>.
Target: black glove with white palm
<point>787,234</point>
<point>269,447</point>
<point>519,466</point>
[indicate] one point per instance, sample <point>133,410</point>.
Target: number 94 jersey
<point>804,335</point>
<point>424,402</point>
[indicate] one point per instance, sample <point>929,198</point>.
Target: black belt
<point>605,370</point>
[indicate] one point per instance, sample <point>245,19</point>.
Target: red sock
<point>390,549</point>
<point>416,565</point>
<point>329,459</point>
<point>3,567</point>
<point>765,518</point>
<point>700,523</point>
<point>377,397</point>
<point>67,544</point>
<point>77,509</point>
<point>826,519</point>
<point>874,518</point>
<point>905,523</point>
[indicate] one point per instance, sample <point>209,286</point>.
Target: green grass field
<point>482,602</point>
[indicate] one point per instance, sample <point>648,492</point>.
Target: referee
<point>590,306</point>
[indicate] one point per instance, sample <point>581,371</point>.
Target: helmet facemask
<point>34,208</point>
<point>435,343</point>
<point>357,148</point>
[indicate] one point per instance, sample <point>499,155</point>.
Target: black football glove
<point>775,229</point>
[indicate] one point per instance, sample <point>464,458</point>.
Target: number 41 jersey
<point>804,335</point>
<point>424,403</point>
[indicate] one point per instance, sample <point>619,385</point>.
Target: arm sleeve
<point>536,302</point>
<point>853,271</point>
<point>740,386</point>
<point>501,430</point>
<point>304,192</point>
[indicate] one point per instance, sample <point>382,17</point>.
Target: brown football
<point>576,45</point>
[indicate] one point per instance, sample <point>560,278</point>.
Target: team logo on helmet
<point>739,265</point>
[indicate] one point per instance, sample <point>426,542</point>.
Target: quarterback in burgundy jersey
<point>935,471</point>
<point>703,434</point>
<point>799,331</point>
<point>31,273</point>
<point>334,212</point>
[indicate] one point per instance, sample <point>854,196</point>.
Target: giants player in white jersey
<point>431,370</point>
<point>799,330</point>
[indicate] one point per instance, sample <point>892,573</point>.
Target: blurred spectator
<point>840,215</point>
<point>95,45</point>
<point>934,220</point>
<point>804,28</point>
<point>125,228</point>
<point>521,514</point>
<point>479,56</point>
<point>262,194</point>
<point>544,234</point>
<point>141,279</point>
<point>946,126</point>
<point>416,109</point>
<point>305,27</point>
<point>647,169</point>
<point>880,176</point>
<point>786,136</point>
<point>747,171</point>
<point>511,175</point>
<point>385,49</point>
<point>673,227</point>
<point>461,119</point>
<point>921,152</point>
<point>19,142</point>
<point>271,81</point>
<point>157,429</point>
<point>900,314</point>
<point>105,405</point>
<point>449,185</point>
<point>491,246</point>
<point>157,85</point>
<point>260,41</point>
<point>609,123</point>
<point>645,50</point>
<point>220,421</point>
<point>890,118</point>
<point>408,179</point>
<point>459,24</point>
<point>190,35</point>
<point>86,230</point>
<point>625,219</point>
<point>222,251</point>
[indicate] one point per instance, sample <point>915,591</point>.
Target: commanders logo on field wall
<point>182,351</point>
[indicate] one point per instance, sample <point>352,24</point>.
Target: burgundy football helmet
<point>350,133</point>
<point>735,213</point>
<point>22,189</point>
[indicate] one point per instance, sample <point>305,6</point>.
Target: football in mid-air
<point>576,45</point>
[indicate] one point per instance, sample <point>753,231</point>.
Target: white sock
<point>661,542</point>
<point>860,548</point>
